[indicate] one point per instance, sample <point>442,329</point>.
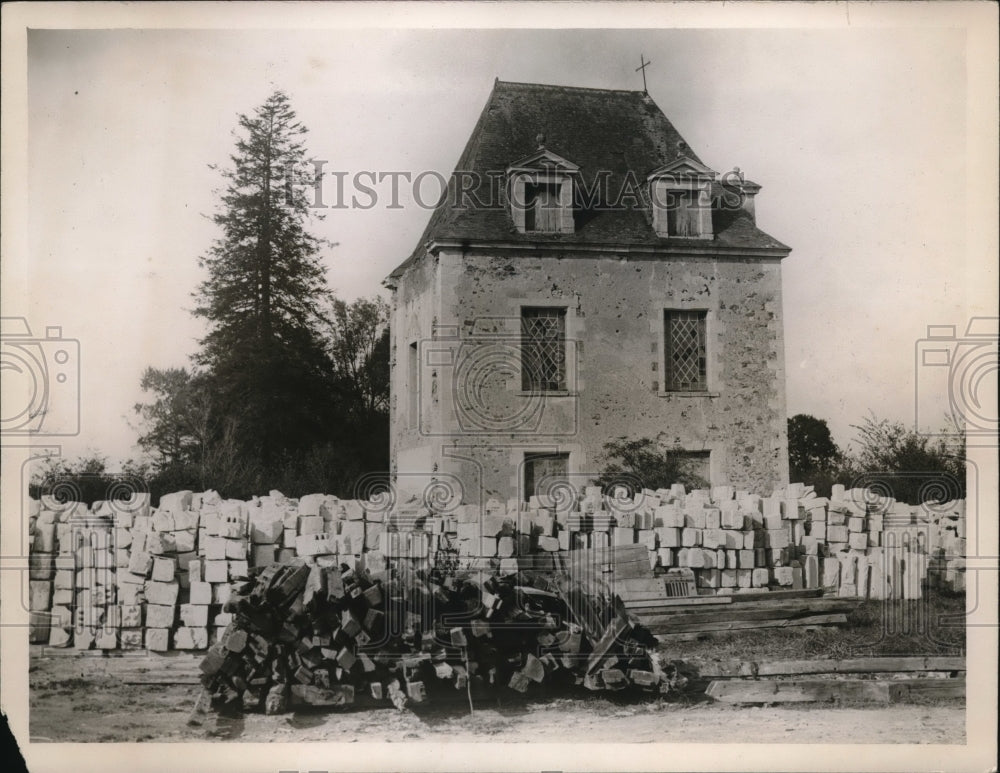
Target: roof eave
<point>695,247</point>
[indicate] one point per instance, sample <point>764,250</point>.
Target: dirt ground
<point>75,698</point>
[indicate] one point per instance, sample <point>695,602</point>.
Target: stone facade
<point>461,416</point>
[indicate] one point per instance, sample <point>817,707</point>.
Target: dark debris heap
<point>332,635</point>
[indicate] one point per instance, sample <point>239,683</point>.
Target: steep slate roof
<point>623,132</point>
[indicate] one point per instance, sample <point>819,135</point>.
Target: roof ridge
<point>557,87</point>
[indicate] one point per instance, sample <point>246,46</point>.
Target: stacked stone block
<point>125,575</point>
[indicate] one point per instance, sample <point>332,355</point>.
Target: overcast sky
<point>859,137</point>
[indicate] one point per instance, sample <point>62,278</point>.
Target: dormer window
<point>543,211</point>
<point>540,190</point>
<point>681,198</point>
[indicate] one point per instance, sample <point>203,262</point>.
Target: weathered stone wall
<point>615,308</point>
<point>414,314</point>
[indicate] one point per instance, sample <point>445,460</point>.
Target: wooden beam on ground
<point>667,632</point>
<point>901,690</point>
<point>828,666</point>
<point>673,602</point>
<point>742,625</point>
<point>641,584</point>
<point>777,595</point>
<point>820,690</point>
<point>164,678</point>
<point>785,610</point>
<point>666,638</point>
<point>692,603</point>
<point>798,691</point>
<point>861,666</point>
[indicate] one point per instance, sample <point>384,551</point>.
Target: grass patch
<point>933,625</point>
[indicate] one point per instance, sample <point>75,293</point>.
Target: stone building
<point>587,277</point>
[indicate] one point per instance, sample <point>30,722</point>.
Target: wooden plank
<point>902,690</point>
<point>797,691</point>
<point>816,603</point>
<point>743,625</point>
<point>862,666</point>
<point>667,638</point>
<point>643,583</point>
<point>641,598</point>
<point>778,595</point>
<point>694,614</point>
<point>619,564</point>
<point>818,690</point>
<point>665,631</point>
<point>630,593</point>
<point>174,678</point>
<point>716,669</point>
<point>632,558</point>
<point>649,608</point>
<point>611,634</point>
<point>633,571</point>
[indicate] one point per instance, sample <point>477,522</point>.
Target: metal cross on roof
<point>642,66</point>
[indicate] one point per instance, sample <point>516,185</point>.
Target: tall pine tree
<point>263,298</point>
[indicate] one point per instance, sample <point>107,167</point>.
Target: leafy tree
<point>811,449</point>
<point>290,386</point>
<point>359,349</point>
<point>913,467</point>
<point>175,426</point>
<point>647,463</point>
<point>86,479</point>
<point>264,355</point>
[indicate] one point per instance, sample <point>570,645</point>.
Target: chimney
<point>745,189</point>
<point>749,191</point>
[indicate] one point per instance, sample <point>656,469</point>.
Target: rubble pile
<point>326,634</point>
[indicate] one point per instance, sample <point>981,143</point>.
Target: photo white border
<point>979,21</point>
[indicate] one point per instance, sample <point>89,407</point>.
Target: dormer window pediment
<point>684,167</point>
<point>540,191</point>
<point>543,160</point>
<point>681,199</point>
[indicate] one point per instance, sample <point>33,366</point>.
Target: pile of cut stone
<point>327,634</point>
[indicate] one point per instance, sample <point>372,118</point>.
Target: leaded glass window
<point>543,349</point>
<point>686,354</point>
